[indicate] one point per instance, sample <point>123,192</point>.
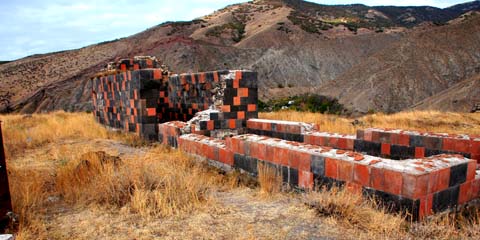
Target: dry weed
<point>23,132</point>
<point>427,121</point>
<point>353,211</point>
<point>269,178</point>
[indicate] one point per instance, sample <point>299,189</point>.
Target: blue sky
<point>38,26</point>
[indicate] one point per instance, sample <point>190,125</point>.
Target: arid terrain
<point>383,59</point>
<point>64,187</point>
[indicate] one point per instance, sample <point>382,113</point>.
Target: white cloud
<point>38,26</point>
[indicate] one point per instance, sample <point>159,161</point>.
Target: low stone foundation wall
<point>419,186</point>
<point>213,115</point>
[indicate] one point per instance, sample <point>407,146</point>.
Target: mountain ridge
<point>292,56</point>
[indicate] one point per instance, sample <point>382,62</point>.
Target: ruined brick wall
<point>420,186</point>
<point>137,94</point>
<point>231,95</point>
<point>418,173</point>
<point>128,96</point>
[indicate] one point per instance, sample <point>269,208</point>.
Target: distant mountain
<point>381,58</point>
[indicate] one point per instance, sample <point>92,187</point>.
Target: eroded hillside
<point>371,58</point>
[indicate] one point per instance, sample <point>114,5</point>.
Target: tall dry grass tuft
<point>163,183</point>
<point>269,178</point>
<point>455,225</point>
<point>29,189</point>
<point>353,211</point>
<point>427,121</point>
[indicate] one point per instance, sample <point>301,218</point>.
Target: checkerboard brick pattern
<point>136,95</point>
<point>414,172</point>
<point>399,144</point>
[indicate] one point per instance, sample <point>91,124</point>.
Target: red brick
<point>281,156</point>
<point>236,101</point>
<point>305,179</point>
<point>266,126</point>
<point>419,152</point>
<point>465,193</point>
<point>241,115</point>
<point>439,180</point>
<point>350,143</point>
<point>309,139</point>
<point>251,124</point>
<point>225,108</point>
<point>210,125</point>
<point>290,128</point>
<point>236,81</point>
<point>242,92</point>
<point>476,157</point>
<point>385,149</point>
<point>232,123</point>
<point>367,135</point>
<point>281,128</point>
<point>475,148</point>
<point>476,188</point>
<point>333,142</point>
<point>345,171</point>
<point>361,175</point>
<point>269,153</point>
<point>252,107</point>
<point>404,140</point>
<point>426,204</point>
<point>448,144</point>
<point>415,186</point>
<point>238,146</point>
<point>320,141</point>
<point>262,151</point>
<point>228,143</point>
<point>331,168</point>
<point>304,161</point>
<point>157,74</point>
<point>225,156</point>
<point>276,155</point>
<point>393,181</point>
<point>293,159</point>
<point>254,149</point>
<point>462,145</point>
<point>472,166</point>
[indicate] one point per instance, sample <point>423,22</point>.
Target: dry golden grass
<point>353,211</point>
<point>50,177</point>
<point>31,131</point>
<point>269,178</point>
<point>428,121</point>
<point>163,183</point>
<point>327,123</point>
<point>369,220</point>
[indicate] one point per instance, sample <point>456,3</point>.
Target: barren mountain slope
<point>292,44</point>
<point>419,66</point>
<point>458,98</point>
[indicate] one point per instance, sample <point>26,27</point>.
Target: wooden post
<point>5,200</point>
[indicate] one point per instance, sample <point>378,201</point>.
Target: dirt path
<point>237,214</point>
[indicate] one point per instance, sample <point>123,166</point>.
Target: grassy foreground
<point>64,188</point>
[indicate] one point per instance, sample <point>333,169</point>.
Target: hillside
<point>295,46</point>
<point>458,98</point>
